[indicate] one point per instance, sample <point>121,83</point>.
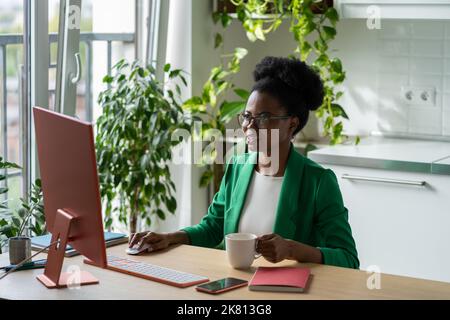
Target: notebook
<point>283,279</point>
<point>111,239</point>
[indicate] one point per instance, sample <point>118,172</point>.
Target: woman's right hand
<point>154,241</point>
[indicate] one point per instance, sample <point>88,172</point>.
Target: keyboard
<point>153,272</point>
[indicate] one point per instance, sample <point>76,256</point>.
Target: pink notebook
<point>286,279</point>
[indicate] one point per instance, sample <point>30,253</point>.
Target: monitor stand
<point>53,277</point>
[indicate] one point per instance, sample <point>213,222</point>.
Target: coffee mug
<point>241,249</point>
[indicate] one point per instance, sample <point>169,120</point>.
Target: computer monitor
<point>70,186</point>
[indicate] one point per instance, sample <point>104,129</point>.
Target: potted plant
<point>17,226</point>
<point>134,131</point>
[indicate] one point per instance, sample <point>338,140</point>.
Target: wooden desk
<point>327,282</point>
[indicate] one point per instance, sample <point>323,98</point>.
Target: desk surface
<point>327,282</point>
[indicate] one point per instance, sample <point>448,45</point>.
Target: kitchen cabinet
<point>400,220</point>
<point>393,9</point>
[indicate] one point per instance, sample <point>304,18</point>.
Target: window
<point>11,57</point>
<point>107,34</point>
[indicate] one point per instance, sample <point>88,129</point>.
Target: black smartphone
<point>221,285</point>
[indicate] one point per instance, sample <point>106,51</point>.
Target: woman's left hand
<point>273,247</point>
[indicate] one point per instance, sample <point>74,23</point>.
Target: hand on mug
<point>273,247</point>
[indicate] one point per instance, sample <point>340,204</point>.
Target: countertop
<point>389,153</point>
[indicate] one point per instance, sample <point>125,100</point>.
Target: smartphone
<point>221,285</point>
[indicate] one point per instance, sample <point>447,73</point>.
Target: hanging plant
<point>259,18</point>
<point>307,18</point>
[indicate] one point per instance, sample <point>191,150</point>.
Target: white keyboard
<point>153,272</point>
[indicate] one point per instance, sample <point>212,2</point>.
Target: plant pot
<point>19,249</point>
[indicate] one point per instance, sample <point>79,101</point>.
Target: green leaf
<point>161,214</point>
<point>338,77</point>
<point>307,28</point>
<point>159,187</point>
<point>339,94</point>
<point>108,222</point>
<point>8,165</point>
<point>336,65</point>
<point>171,204</point>
<point>332,15</point>
<point>225,19</point>
<point>22,213</point>
<point>230,110</point>
<point>251,36</point>
<point>240,53</point>
<point>216,17</point>
<point>321,61</point>
<point>320,45</point>
<point>329,32</point>
<point>194,101</point>
<point>338,111</point>
<point>310,147</point>
<point>174,73</point>
<point>8,231</point>
<point>119,64</point>
<point>305,50</point>
<point>3,222</point>
<point>244,94</point>
<point>241,14</point>
<point>206,178</point>
<point>328,123</point>
<point>108,79</point>
<point>166,67</point>
<point>336,137</point>
<point>259,34</point>
<point>357,140</point>
<point>218,40</point>
<point>16,222</point>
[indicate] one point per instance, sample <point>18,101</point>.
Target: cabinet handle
<point>384,180</point>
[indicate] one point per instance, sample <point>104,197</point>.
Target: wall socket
<point>419,96</point>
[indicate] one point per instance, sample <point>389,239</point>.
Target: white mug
<point>241,249</point>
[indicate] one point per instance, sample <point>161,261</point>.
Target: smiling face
<point>262,104</point>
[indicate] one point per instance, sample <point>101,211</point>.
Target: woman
<point>292,204</point>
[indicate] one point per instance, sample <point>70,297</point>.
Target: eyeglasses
<point>261,121</point>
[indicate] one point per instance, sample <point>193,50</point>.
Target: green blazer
<point>310,209</point>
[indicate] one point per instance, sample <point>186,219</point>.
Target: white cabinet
<point>399,225</point>
<point>393,9</point>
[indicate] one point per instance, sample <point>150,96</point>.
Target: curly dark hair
<point>293,83</point>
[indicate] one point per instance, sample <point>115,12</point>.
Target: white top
<point>260,208</point>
